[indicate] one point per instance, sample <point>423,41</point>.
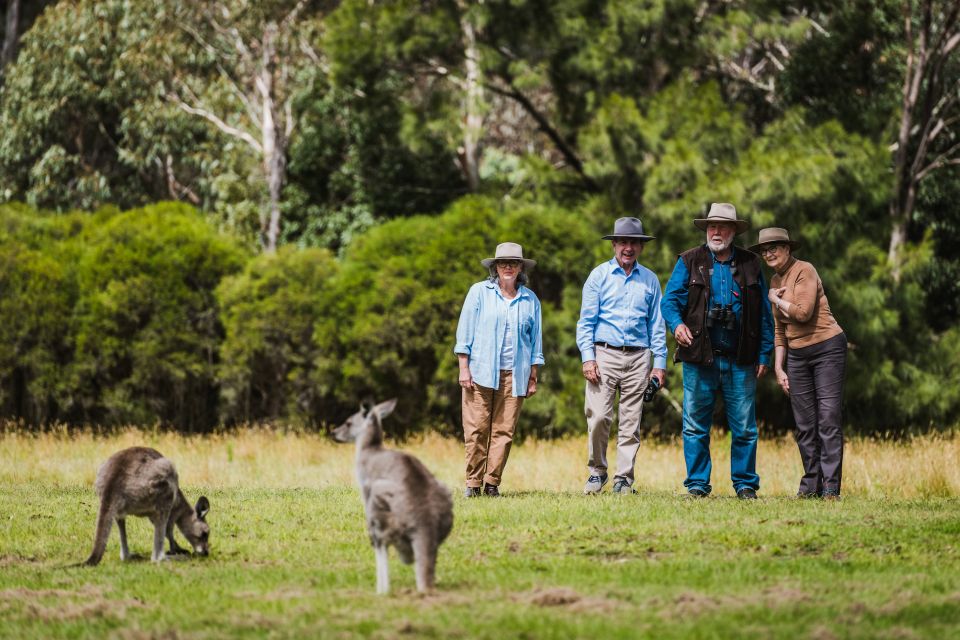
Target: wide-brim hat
<point>773,235</point>
<point>628,228</point>
<point>508,251</point>
<point>722,212</point>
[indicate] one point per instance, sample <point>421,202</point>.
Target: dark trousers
<point>816,394</point>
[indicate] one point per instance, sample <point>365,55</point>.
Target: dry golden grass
<point>263,458</point>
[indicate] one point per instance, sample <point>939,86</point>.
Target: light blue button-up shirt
<point>623,311</point>
<point>480,332</point>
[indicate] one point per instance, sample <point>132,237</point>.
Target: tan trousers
<point>629,373</point>
<point>489,420</point>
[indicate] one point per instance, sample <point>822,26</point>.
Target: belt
<point>624,349</point>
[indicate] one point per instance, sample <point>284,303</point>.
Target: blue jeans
<point>738,384</point>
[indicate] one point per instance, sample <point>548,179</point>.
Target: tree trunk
<point>11,34</point>
<point>274,145</point>
<point>473,116</point>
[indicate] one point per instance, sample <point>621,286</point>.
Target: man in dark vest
<point>715,304</point>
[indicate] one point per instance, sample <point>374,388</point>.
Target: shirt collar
<point>522,291</point>
<point>615,266</point>
<point>733,254</point>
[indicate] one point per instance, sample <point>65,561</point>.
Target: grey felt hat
<point>722,212</point>
<point>628,228</point>
<point>508,251</point>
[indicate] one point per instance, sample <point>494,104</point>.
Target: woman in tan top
<point>810,358</point>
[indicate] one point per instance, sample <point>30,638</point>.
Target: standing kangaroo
<point>405,505</point>
<point>140,482</point>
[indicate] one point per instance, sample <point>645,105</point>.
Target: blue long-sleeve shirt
<point>724,290</point>
<point>482,328</point>
<point>622,310</point>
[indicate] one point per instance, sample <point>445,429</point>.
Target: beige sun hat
<point>508,251</point>
<point>773,235</point>
<point>722,212</point>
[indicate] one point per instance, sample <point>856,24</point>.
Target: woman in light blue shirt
<point>500,348</point>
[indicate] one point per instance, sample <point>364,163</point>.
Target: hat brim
<point>793,244</point>
<point>629,237</point>
<point>742,225</point>
<point>527,263</point>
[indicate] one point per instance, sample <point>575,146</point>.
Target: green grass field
<point>290,557</point>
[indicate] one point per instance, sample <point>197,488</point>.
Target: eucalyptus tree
<point>252,57</point>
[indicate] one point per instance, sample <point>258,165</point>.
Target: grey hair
<point>522,278</point>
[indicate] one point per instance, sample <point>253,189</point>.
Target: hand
<point>775,294</point>
<point>783,381</point>
<point>660,375</point>
<point>762,370</point>
<point>466,380</point>
<point>531,386</point>
<point>591,372</point>
<point>683,335</point>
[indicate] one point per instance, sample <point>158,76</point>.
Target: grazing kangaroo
<point>405,505</point>
<point>140,482</point>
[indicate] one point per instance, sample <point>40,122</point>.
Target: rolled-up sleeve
<point>536,355</point>
<point>467,326</point>
<point>589,314</point>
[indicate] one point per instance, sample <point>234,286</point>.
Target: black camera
<point>722,317</point>
<point>651,390</point>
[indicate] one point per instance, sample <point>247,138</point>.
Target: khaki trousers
<point>489,420</point>
<point>629,373</point>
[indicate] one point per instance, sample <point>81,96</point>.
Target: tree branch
<point>216,120</point>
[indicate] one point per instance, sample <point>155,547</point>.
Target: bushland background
<point>233,212</point>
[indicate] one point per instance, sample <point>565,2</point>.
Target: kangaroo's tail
<point>105,519</point>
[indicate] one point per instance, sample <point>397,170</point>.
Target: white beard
<point>718,246</point>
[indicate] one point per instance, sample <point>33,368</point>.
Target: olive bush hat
<point>773,235</point>
<point>722,212</point>
<point>508,251</point>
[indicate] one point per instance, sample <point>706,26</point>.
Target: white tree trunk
<point>473,103</point>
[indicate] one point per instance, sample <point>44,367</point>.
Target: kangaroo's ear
<point>203,507</point>
<point>385,408</point>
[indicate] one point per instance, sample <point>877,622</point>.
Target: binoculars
<point>722,317</point>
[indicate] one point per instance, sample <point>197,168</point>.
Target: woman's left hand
<point>531,386</point>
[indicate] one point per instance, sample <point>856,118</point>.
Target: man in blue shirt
<point>715,304</point>
<point>623,343</point>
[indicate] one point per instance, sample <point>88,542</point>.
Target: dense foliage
<point>414,137</point>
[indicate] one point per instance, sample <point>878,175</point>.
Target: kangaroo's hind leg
<point>383,569</point>
<point>425,559</point>
<point>122,529</point>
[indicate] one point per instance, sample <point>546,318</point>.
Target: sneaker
<point>697,492</point>
<point>490,490</point>
<point>621,487</point>
<point>747,494</point>
<point>471,492</point>
<point>594,484</point>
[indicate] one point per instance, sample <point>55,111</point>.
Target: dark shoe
<point>621,487</point>
<point>490,490</point>
<point>594,484</point>
<point>831,494</point>
<point>697,492</point>
<point>471,492</point>
<point>747,494</point>
<point>807,495</point>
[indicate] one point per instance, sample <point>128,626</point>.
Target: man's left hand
<point>762,370</point>
<point>531,386</point>
<point>660,375</point>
